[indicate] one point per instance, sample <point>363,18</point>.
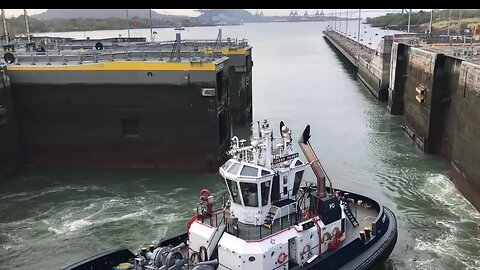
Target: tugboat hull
<point>352,254</point>
<point>373,255</point>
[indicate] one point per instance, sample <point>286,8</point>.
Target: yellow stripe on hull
<point>120,65</point>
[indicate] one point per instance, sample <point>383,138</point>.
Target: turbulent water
<point>50,218</point>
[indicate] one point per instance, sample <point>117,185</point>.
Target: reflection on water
<point>52,217</point>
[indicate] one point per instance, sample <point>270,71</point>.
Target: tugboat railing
<point>219,217</point>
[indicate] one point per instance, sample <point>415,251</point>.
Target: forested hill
<point>100,14</point>
<point>64,20</point>
<point>421,20</point>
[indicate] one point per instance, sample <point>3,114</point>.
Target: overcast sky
<point>267,12</point>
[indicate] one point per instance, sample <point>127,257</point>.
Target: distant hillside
<point>101,14</point>
<point>420,21</point>
<point>63,20</point>
<point>225,16</point>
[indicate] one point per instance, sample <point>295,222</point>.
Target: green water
<point>50,218</point>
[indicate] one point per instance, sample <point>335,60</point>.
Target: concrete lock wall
<point>376,73</point>
<point>10,155</point>
<point>447,122</point>
<point>380,65</point>
<point>341,47</point>
<point>439,97</point>
<point>420,74</point>
<point>373,66</point>
<point>398,76</point>
<point>431,81</point>
<point>368,79</point>
<point>466,146</point>
<point>448,107</point>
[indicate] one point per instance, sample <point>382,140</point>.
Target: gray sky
<point>268,12</point>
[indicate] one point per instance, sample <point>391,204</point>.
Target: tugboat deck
<point>365,217</point>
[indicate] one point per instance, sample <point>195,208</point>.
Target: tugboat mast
<point>26,24</point>
<point>5,28</point>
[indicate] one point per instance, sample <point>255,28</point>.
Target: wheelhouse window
<point>265,190</point>
<point>234,169</point>
<point>298,163</point>
<point>232,187</point>
<point>265,172</point>
<point>250,194</point>
<point>249,171</point>
<point>298,176</point>
<point>225,166</point>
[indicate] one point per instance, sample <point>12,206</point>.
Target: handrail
<point>217,228</point>
<point>215,44</point>
<point>110,56</point>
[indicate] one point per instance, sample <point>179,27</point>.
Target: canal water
<point>50,218</point>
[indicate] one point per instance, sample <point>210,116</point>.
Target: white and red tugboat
<point>272,219</point>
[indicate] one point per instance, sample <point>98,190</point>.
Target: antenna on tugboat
<point>5,27</point>
<point>259,132</point>
<point>25,15</point>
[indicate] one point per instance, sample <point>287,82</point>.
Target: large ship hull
<point>123,114</point>
<point>10,155</point>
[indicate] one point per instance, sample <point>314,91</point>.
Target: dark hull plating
<point>10,157</point>
<point>120,125</point>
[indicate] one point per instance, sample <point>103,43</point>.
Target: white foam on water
<point>424,264</point>
<point>9,196</point>
<point>91,206</point>
<point>175,191</point>
<point>442,247</point>
<point>77,224</point>
<point>96,213</point>
<point>12,240</point>
<point>13,237</point>
<point>447,224</point>
<point>70,226</point>
<point>133,215</point>
<point>444,193</point>
<point>161,206</point>
<point>168,218</point>
<point>66,216</point>
<point>447,247</point>
<point>24,196</point>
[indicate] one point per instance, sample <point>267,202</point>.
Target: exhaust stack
<point>313,160</point>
